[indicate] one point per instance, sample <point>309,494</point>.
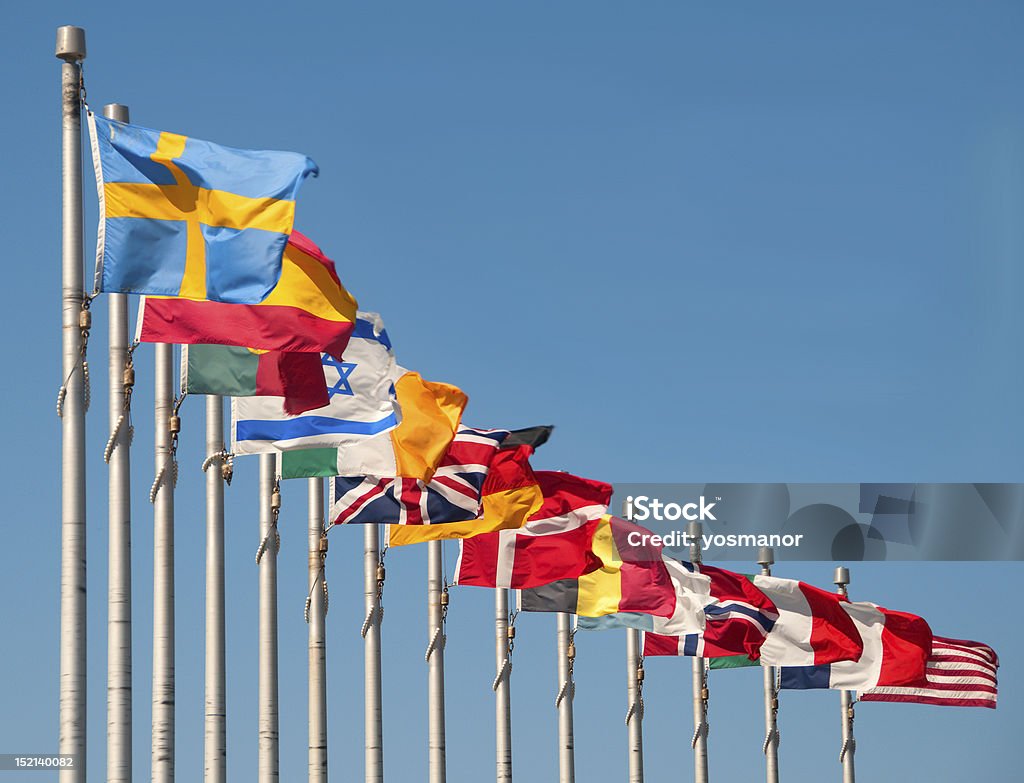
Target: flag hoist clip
<point>506,665</point>
<point>637,707</point>
<point>773,734</point>
<point>321,578</point>
<point>169,470</point>
<point>275,512</point>
<point>703,728</point>
<point>227,464</point>
<point>128,385</point>
<point>376,614</point>
<point>84,327</point>
<point>569,686</point>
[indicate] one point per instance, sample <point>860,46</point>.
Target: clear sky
<point>710,242</point>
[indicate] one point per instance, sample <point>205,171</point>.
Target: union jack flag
<point>452,495</point>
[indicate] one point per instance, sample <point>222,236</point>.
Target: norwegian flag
<point>452,495</point>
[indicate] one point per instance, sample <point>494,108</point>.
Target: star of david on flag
<point>361,401</point>
<point>344,370</point>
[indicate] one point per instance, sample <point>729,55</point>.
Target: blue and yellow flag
<point>185,217</point>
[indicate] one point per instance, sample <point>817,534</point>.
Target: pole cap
<point>694,529</point>
<point>116,111</point>
<point>765,556</point>
<point>842,576</point>
<point>627,509</point>
<point>70,43</point>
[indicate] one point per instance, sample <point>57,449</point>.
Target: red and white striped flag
<point>959,674</point>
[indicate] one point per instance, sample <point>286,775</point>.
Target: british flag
<point>452,495</point>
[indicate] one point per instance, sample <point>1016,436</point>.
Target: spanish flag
<point>308,311</point>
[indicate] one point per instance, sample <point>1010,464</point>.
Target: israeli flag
<point>362,401</point>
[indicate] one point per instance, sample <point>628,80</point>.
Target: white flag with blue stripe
<point>362,401</point>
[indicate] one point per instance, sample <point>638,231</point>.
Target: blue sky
<point>710,242</point>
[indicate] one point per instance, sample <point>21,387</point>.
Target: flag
<point>451,495</point>
<point>555,543</point>
<point>534,437</point>
<point>509,496</point>
<point>656,645</point>
<point>896,650</point>
<point>361,401</point>
<point>812,628</point>
<point>737,620</point>
<point>429,414</point>
<point>185,217</point>
<point>959,674</point>
<point>307,310</point>
<point>231,371</point>
<point>633,578</point>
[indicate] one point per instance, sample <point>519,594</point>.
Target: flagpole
<point>71,741</point>
<point>373,584</point>
<point>215,750</point>
<point>503,636</point>
<point>635,715</point>
<point>435,661</point>
<point>317,634</point>
<point>765,558</point>
<point>268,767</point>
<point>119,559</point>
<point>634,692</point>
<point>566,692</point>
<point>163,567</point>
<point>700,682</point>
<point>842,579</point>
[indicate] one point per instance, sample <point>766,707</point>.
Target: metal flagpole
<point>563,702</point>
<point>121,379</point>
<point>268,767</point>
<point>162,496</point>
<point>504,637</point>
<point>635,715</point>
<point>71,406</point>
<point>846,699</point>
<point>316,616</point>
<point>700,682</point>
<point>435,661</point>
<point>373,586</point>
<point>765,558</point>
<point>215,740</point>
<point>634,690</point>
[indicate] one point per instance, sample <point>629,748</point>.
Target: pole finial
<point>70,43</point>
<point>765,556</point>
<point>842,576</point>
<point>116,111</point>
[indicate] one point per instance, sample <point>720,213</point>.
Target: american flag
<point>452,495</point>
<point>959,674</point>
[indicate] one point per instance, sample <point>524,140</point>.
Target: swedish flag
<point>185,217</point>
